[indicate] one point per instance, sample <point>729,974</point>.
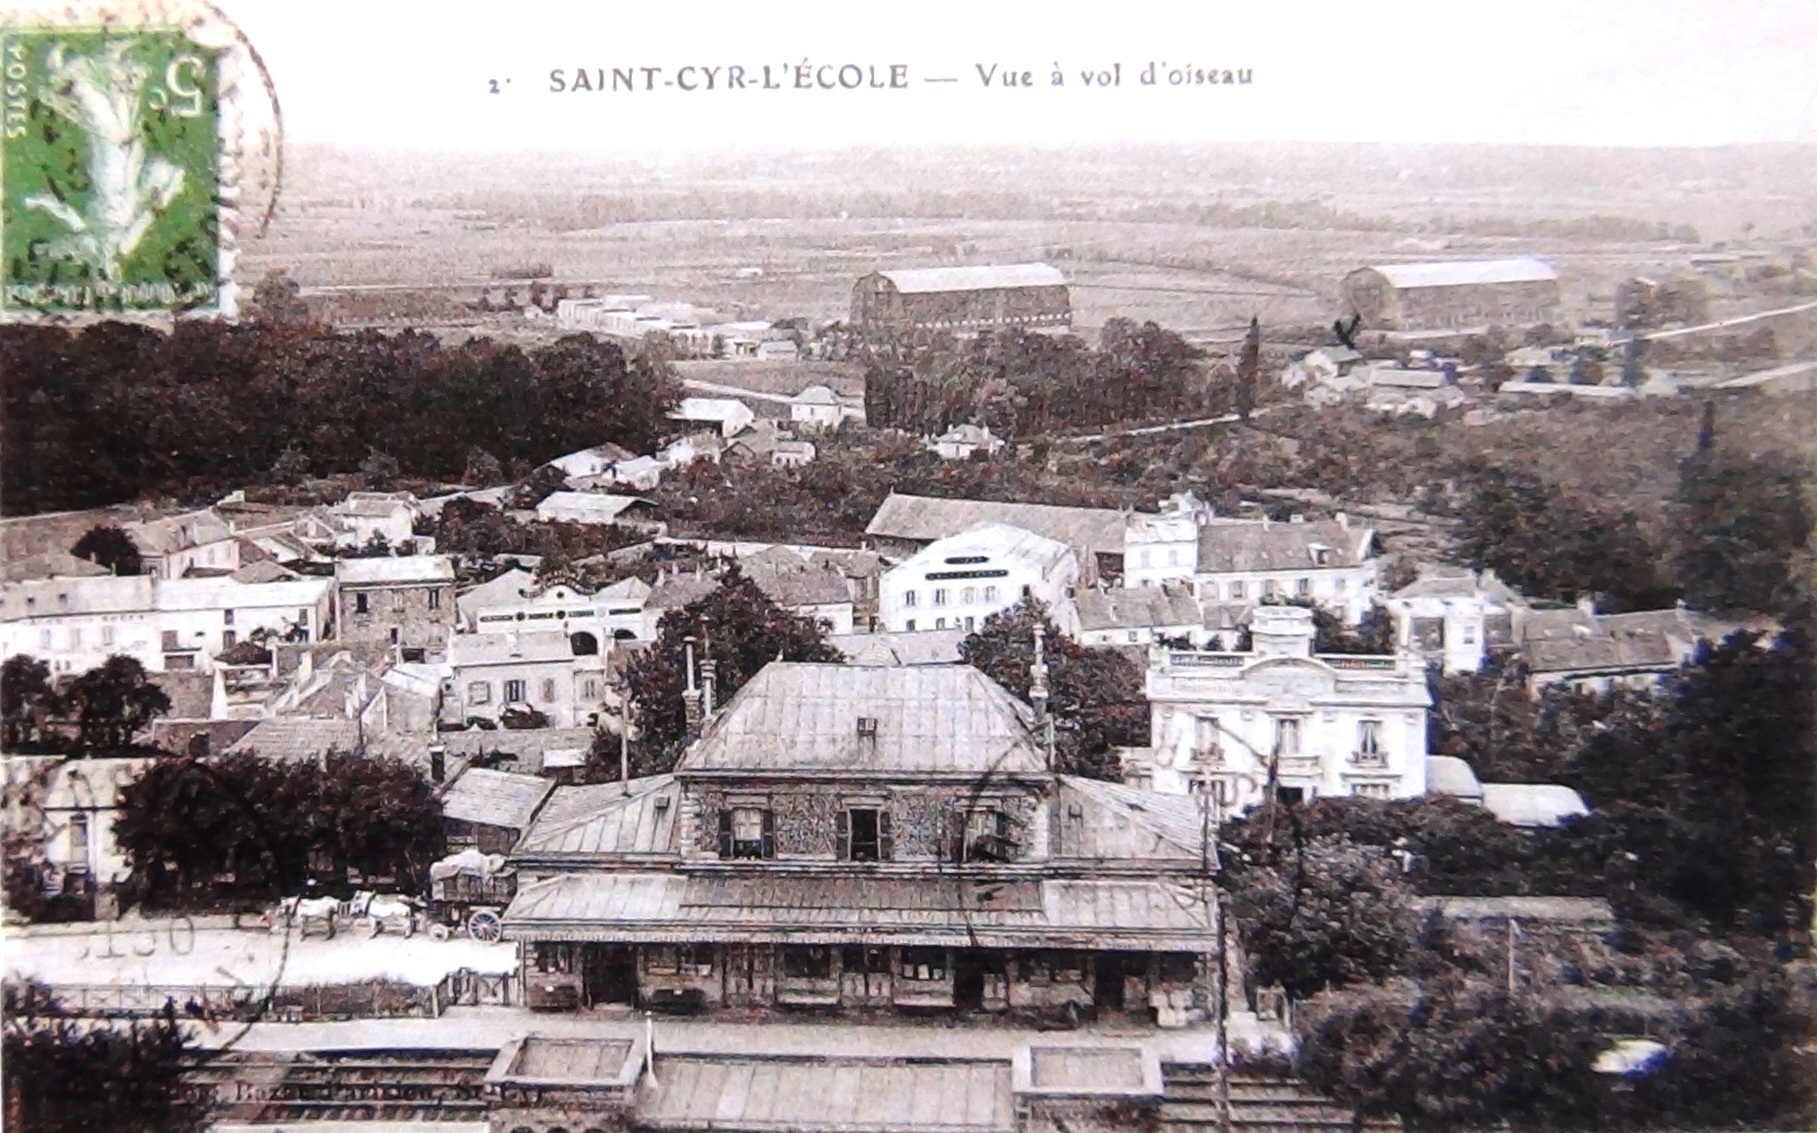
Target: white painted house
<point>174,545</point>
<point>1245,560</point>
<point>493,674</point>
<point>597,509</point>
<point>961,441</point>
<point>1327,724</point>
<point>957,582</point>
<point>67,808</point>
<point>818,407</point>
<point>514,601</point>
<point>1454,616</point>
<point>727,414</point>
<point>75,624</point>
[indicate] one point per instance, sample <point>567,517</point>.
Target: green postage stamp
<point>111,167</point>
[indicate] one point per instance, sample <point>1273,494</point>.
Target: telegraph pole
<point>1211,900</point>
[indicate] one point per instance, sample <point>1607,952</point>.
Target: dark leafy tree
<point>1742,528</point>
<point>1095,696</point>
<point>1321,912</point>
<point>108,546</point>
<point>741,630</point>
<point>1373,633</point>
<point>1552,544</point>
<point>66,1074</point>
<point>1452,1052</point>
<point>29,700</point>
<point>1249,368</point>
<point>112,703</point>
<point>399,839</point>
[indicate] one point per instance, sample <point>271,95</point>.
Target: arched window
<point>584,644</point>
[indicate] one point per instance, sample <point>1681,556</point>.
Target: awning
<point>1135,914</point>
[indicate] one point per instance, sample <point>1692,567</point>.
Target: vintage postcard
<point>953,568</point>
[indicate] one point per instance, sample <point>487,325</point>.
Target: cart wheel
<point>485,926</point>
<point>439,932</point>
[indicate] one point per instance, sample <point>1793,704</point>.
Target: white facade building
<point>172,546</point>
<point>514,602</point>
<point>957,582</point>
<point>491,674</point>
<point>818,407</point>
<point>363,516</point>
<point>67,808</point>
<point>1328,724</point>
<point>729,415</point>
<point>75,624</point>
<point>1331,562</point>
<point>1454,618</point>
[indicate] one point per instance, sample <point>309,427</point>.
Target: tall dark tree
<point>1249,369</point>
<point>1742,527</point>
<point>1094,695</point>
<point>112,703</point>
<point>109,546</point>
<point>71,1074</point>
<point>742,630</point>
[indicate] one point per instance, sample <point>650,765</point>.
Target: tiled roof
<point>468,649</point>
<point>679,590</point>
<point>507,589</point>
<point>495,798</point>
<point>1137,607</point>
<point>791,587</point>
<point>611,819</point>
<point>923,647</point>
<point>50,564</point>
<point>926,518</point>
<point>997,540</point>
<point>1246,545</point>
<point>927,720</point>
<point>265,570</point>
<point>179,532</point>
<point>982,278</point>
<point>596,506</point>
<point>1459,273</point>
<point>403,569</point>
<point>1629,650</point>
<point>1456,582</point>
<point>298,739</point>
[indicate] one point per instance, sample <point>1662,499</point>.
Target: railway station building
<point>868,839</point>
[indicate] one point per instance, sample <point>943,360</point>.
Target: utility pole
<point>1211,899</point>
<point>624,730</point>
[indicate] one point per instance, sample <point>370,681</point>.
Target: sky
<point>1571,72</point>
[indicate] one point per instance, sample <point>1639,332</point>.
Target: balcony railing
<point>1355,663</point>
<point>1375,760</point>
<point>1207,660</point>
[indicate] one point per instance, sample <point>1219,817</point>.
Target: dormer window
<point>747,832</point>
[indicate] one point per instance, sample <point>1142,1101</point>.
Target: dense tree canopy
<point>28,700</point>
<point>1021,383</point>
<point>1094,695</point>
<point>110,704</point>
<point>63,1074</point>
<point>1553,544</point>
<point>1741,524</point>
<point>272,826</point>
<point>741,630</point>
<point>114,411</point>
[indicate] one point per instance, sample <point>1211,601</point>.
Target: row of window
<point>362,600</point>
<point>968,596</point>
<point>518,691</point>
<point>170,639</point>
<point>967,623</point>
<point>1287,736</point>
<point>865,834</point>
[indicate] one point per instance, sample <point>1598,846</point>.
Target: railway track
<point>419,1085</point>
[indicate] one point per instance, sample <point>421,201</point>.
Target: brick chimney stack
<point>690,699</point>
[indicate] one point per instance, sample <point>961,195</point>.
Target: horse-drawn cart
<point>468,891</point>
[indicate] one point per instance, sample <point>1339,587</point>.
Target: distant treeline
<point>115,412</point>
<point>1021,384</point>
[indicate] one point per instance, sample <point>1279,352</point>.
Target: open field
<point>1197,240</point>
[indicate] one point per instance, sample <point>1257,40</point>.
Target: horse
<point>381,911</point>
<point>304,912</point>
